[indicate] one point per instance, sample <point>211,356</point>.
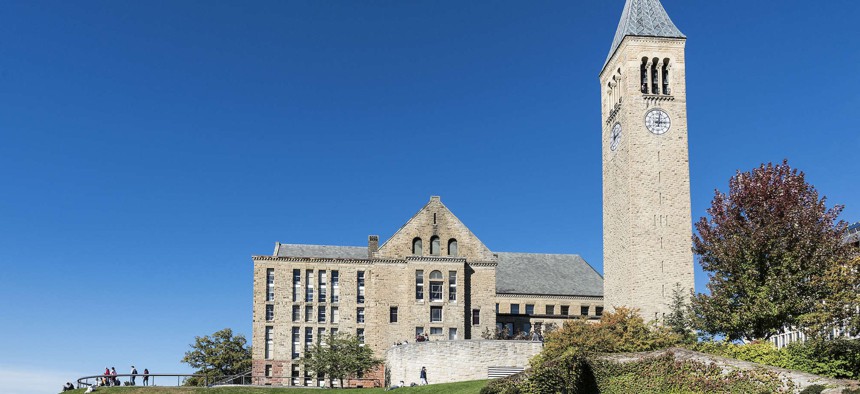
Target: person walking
<point>106,377</point>
<point>145,377</point>
<point>133,372</point>
<point>113,377</point>
<point>423,376</point>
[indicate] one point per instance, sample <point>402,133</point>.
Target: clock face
<point>615,136</point>
<point>657,121</point>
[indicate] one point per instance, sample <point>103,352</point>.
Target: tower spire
<point>644,18</point>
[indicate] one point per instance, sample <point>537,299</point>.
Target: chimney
<point>372,245</point>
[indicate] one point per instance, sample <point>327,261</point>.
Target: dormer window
<point>452,247</point>
<point>434,246</point>
<point>417,248</point>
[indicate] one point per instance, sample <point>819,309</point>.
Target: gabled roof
<point>322,251</point>
<point>546,274</point>
<point>644,18</point>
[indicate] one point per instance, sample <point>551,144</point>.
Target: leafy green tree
<point>765,246</point>
<point>838,309</point>
<point>679,319</point>
<point>339,356</point>
<point>220,355</point>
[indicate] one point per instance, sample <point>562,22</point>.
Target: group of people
<point>110,379</point>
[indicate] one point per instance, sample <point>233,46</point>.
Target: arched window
<point>434,246</point>
<point>452,247</point>
<point>655,85</point>
<point>643,71</point>
<point>417,247</point>
<point>435,286</point>
<point>666,77</point>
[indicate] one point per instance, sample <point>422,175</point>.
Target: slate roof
<point>322,251</point>
<point>516,273</point>
<point>645,18</point>
<point>546,274</point>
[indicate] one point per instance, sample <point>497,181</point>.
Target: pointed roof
<point>644,18</point>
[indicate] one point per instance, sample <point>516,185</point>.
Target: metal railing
<point>99,380</point>
<point>243,378</point>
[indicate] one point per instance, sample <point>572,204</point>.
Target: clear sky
<point>148,149</point>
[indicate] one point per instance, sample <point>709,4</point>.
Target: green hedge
<point>838,358</point>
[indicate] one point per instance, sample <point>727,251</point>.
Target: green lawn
<point>472,387</point>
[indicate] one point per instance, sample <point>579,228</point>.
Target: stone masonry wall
<point>456,361</point>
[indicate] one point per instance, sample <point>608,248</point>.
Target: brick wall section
<point>456,361</point>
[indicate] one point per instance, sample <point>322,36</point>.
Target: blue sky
<point>148,149</point>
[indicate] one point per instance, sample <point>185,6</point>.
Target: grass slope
<point>472,387</point>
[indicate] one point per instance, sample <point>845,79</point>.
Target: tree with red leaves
<point>767,247</point>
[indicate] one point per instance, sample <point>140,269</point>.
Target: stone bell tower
<point>647,247</point>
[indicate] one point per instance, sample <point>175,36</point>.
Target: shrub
<point>814,389</point>
<point>664,374</point>
<point>838,358</point>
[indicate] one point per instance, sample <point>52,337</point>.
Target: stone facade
<point>433,277</point>
<point>647,224</point>
<point>456,361</point>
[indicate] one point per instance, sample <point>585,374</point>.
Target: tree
<point>678,320</point>
<point>839,308</point>
<point>765,246</point>
<point>218,356</point>
<point>338,356</point>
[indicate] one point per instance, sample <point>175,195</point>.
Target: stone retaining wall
<point>456,361</point>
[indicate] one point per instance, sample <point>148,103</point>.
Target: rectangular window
<point>583,310</point>
<point>452,285</point>
<point>321,335</point>
<point>335,286</point>
<point>270,312</point>
<point>334,332</point>
<point>435,330</point>
<point>268,371</point>
<point>515,309</point>
<point>296,343</point>
<point>309,286</point>
<point>565,310</point>
<point>598,310</point>
<point>359,315</point>
<point>322,279</point>
<point>530,309</point>
<point>435,314</point>
<point>359,333</point>
<point>297,285</point>
<point>309,338</point>
<point>270,343</point>
<point>476,317</point>
<point>419,285</point>
<point>497,307</point>
<point>392,314</point>
<point>270,284</point>
<point>294,378</point>
<point>360,287</point>
<point>309,313</point>
<point>419,331</point>
<point>435,290</point>
<point>335,315</point>
<point>297,313</point>
<point>550,309</point>
<point>321,314</point>
<point>452,334</point>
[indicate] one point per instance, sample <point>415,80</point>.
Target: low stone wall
<point>802,380</point>
<point>456,361</point>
